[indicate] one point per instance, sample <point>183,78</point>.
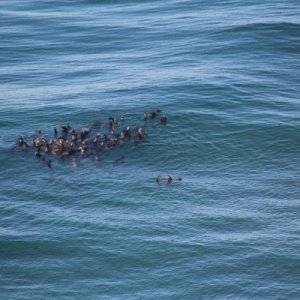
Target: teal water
<point>227,75</point>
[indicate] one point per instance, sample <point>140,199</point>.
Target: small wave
<point>285,27</point>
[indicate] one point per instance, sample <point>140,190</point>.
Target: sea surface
<point>227,75</point>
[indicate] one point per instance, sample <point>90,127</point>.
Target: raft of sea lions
<point>71,144</point>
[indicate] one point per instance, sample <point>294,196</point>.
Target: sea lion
<point>163,119</point>
<point>127,132</point>
<point>166,180</point>
<point>139,135</point>
<point>84,133</point>
<point>38,155</point>
<point>22,143</point>
<point>152,114</point>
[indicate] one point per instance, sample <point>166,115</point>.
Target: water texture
<point>227,75</point>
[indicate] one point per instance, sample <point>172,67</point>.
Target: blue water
<point>227,75</point>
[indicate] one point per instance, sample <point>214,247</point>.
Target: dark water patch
<point>270,38</point>
<point>284,28</point>
<point>37,249</point>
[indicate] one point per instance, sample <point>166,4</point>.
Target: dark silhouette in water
<point>152,114</point>
<point>163,119</point>
<point>166,179</point>
<point>38,155</point>
<point>140,135</point>
<point>22,143</point>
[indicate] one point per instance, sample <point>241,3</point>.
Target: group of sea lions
<point>70,144</point>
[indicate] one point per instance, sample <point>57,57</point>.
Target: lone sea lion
<point>166,180</point>
<point>152,114</point>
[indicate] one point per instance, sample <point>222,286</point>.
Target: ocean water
<point>227,75</point>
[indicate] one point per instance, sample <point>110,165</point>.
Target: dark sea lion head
<point>163,119</point>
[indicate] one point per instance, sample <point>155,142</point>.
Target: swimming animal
<point>22,143</point>
<point>166,179</point>
<point>163,119</point>
<point>152,114</point>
